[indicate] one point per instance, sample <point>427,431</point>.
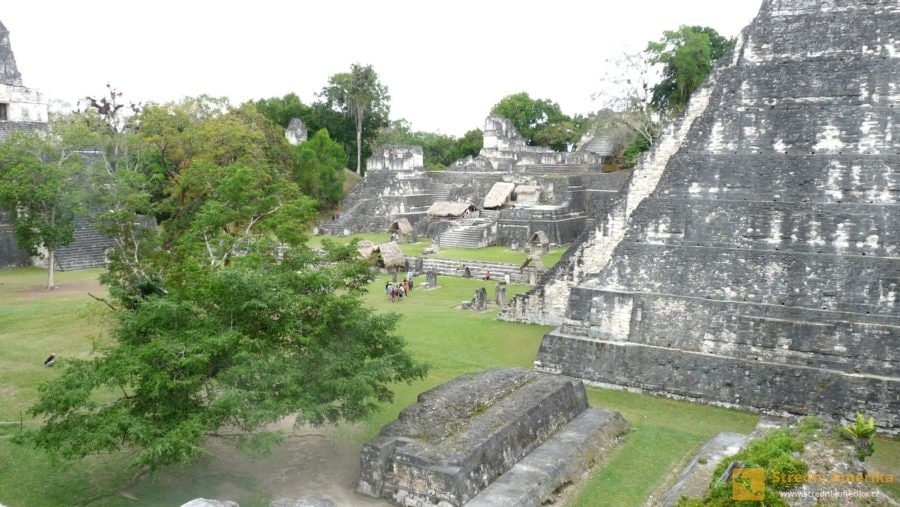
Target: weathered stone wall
<point>462,435</point>
<point>396,158</point>
<point>11,256</point>
<point>762,268</point>
<point>592,250</point>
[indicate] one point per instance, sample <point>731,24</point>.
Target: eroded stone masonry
<point>506,436</point>
<point>505,195</point>
<point>755,260</point>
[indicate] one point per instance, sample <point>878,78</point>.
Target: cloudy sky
<point>445,62</point>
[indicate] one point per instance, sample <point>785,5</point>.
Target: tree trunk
<point>51,253</point>
<point>51,257</point>
<point>359,169</point>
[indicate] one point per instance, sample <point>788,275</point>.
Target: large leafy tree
<point>224,321</point>
<point>319,169</point>
<point>281,110</point>
<point>540,121</point>
<point>687,56</point>
<point>358,94</point>
<point>40,173</point>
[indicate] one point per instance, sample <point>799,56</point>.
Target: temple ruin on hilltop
<point>503,196</point>
<point>21,108</point>
<point>753,258</point>
<point>24,109</point>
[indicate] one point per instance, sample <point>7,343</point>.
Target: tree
<point>541,122</point>
<point>232,324</point>
<point>282,110</point>
<point>628,116</point>
<point>358,94</point>
<point>39,179</point>
<point>687,55</point>
<point>469,144</point>
<point>319,169</point>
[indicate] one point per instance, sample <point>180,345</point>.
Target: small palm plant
<point>861,433</point>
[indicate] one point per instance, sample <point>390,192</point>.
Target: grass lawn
<point>489,254</point>
<point>887,461</point>
<point>34,323</point>
<point>664,435</point>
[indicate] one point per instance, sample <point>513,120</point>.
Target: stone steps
<point>560,460</point>
<point>461,436</point>
<point>466,236</point>
<point>87,251</point>
<point>477,269</point>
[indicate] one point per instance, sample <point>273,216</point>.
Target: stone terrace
<point>466,433</point>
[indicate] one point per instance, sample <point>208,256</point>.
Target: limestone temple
<point>21,108</point>
<point>753,258</point>
<point>25,109</point>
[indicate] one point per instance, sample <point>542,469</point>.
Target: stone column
<point>501,295</point>
<point>431,279</point>
<point>419,266</point>
<point>394,276</point>
<point>480,299</point>
<point>467,273</point>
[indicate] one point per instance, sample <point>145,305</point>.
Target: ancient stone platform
<point>465,434</point>
<point>758,265</point>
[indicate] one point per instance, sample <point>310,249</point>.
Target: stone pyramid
<point>761,267</point>
<point>9,72</point>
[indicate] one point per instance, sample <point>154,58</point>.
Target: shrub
<point>861,433</point>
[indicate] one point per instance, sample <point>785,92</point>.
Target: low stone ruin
<point>502,437</point>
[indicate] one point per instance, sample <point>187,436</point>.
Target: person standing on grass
<point>406,286</point>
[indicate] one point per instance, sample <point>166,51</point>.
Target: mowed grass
<point>488,254</point>
<point>664,435</point>
<point>34,322</point>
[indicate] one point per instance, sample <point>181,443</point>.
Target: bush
<point>634,150</point>
<point>775,454</point>
<point>861,433</point>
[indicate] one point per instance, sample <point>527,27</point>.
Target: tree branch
<point>107,303</point>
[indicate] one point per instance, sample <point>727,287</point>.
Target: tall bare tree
<point>359,94</point>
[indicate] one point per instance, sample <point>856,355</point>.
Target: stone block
<point>460,436</point>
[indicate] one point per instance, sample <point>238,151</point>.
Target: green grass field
<point>489,254</point>
<point>34,322</point>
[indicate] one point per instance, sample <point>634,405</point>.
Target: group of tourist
<point>398,290</point>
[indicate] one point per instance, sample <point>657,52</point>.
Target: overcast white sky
<point>445,62</point>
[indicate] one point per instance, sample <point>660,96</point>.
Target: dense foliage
<point>438,150</point>
<point>224,320</point>
<point>687,57</point>
<point>541,122</point>
<point>39,179</point>
<point>776,454</point>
